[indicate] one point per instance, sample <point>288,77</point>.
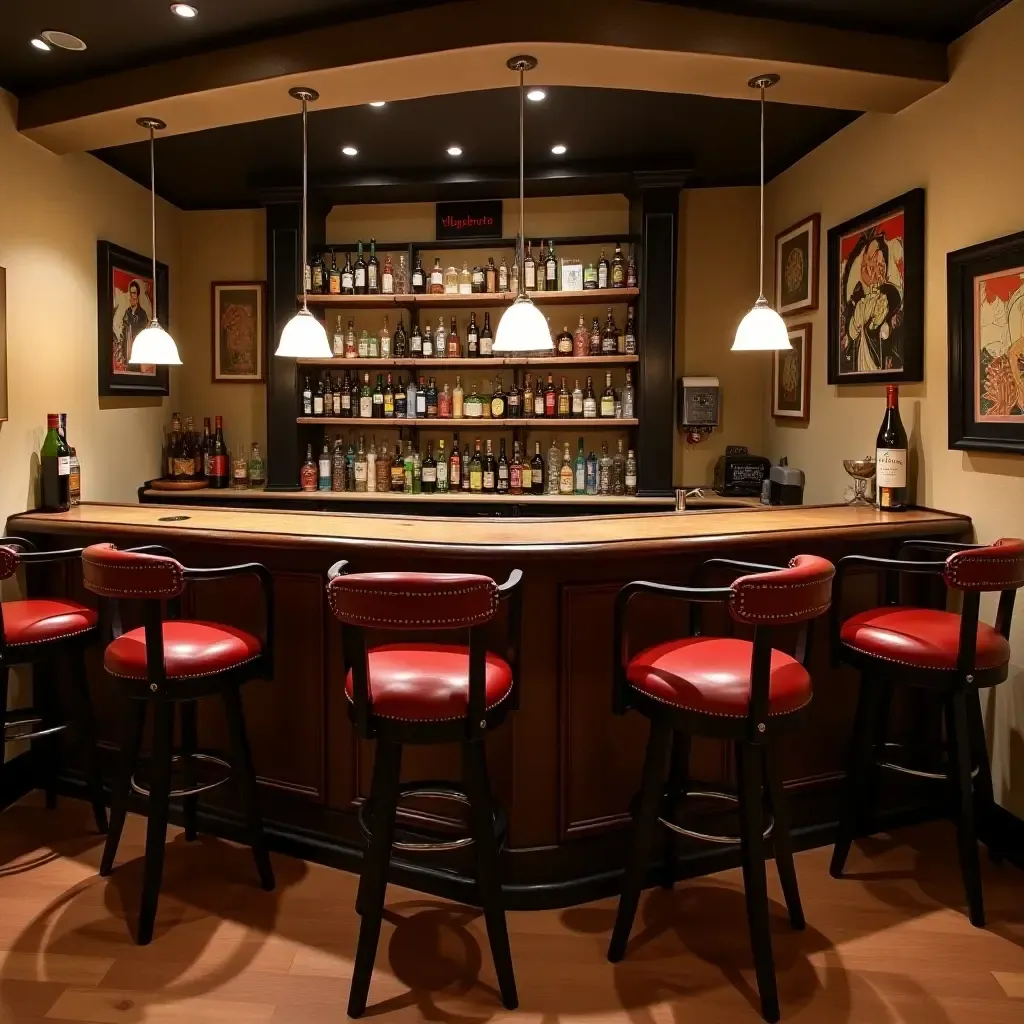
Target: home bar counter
<point>563,766</point>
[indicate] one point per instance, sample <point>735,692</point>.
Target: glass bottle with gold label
<point>498,402</point>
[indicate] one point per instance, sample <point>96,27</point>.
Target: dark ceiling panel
<point>715,140</point>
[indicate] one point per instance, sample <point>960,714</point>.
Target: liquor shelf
<point>483,362</point>
<point>439,423</point>
<point>597,296</point>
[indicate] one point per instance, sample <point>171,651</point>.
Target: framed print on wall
<point>797,256</point>
<point>124,308</point>
<point>791,377</point>
<point>876,295</point>
<point>985,295</point>
<point>239,331</point>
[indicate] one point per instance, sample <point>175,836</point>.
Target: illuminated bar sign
<point>478,218</point>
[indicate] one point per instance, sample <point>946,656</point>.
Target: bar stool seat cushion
<point>428,682</point>
<point>920,637</point>
<point>191,649</point>
<point>711,675</point>
<point>39,621</point>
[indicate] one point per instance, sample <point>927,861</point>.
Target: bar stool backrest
<point>800,592</point>
<point>112,573</point>
<point>997,567</point>
<point>10,559</point>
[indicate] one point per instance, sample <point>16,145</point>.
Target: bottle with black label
<point>486,338</point>
<point>472,338</point>
<point>891,457</point>
<point>348,280</point>
<point>360,270</point>
<point>419,278</point>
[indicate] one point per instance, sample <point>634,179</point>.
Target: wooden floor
<point>890,944</point>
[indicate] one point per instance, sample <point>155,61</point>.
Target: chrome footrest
<point>25,718</point>
<point>706,837</point>
<point>918,773</point>
<point>178,762</point>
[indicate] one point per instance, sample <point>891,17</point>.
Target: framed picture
<point>124,308</point>
<point>876,295</point>
<point>239,331</point>
<point>985,293</point>
<point>791,377</point>
<point>797,256</point>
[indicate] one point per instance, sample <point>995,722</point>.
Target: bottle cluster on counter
<point>374,468</point>
<point>205,456</point>
<point>60,472</point>
<point>545,273</point>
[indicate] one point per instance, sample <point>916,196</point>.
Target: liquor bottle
<point>307,401</point>
<point>589,277</point>
<point>465,280</point>
<point>603,271</point>
<point>359,275</point>
<point>513,279</point>
<point>315,273</point>
<point>351,345</point>
<point>419,277</point>
<point>418,399</point>
<point>207,449</point>
<point>338,340</point>
<point>442,468</point>
<point>608,398</point>
<point>550,398</point>
<point>618,277</point>
<point>378,399</point>
<point>308,473</point>
<point>891,457</point>
<point>472,338</point>
<point>436,283</point>
<point>398,470</point>
<point>529,270</point>
<point>55,469</point>
<point>551,281</point>
<point>514,401</point>
<point>537,470</point>
<point>171,447</point>
<point>388,409</point>
<point>503,482</point>
<point>350,465</point>
<point>466,464</point>
<point>348,276</point>
<point>591,474</point>
<point>416,343</point>
<point>539,399</point>
<point>515,471</point>
<point>579,474</point>
<point>429,471</point>
<point>631,277</point>
<point>565,472</point>
<point>457,397</point>
<point>554,467</point>
<point>619,471</point>
<point>610,336</point>
<point>455,466</point>
<point>474,407</point>
<point>490,276</point>
<point>385,340</point>
<point>318,399</point>
<point>503,276</point>
<point>486,338</point>
<point>334,386</point>
<point>373,270</point>
<point>589,401</point>
<point>490,472</point>
<point>630,334</point>
<point>363,344</point>
<point>184,463</point>
<point>417,471</point>
<point>334,276</point>
<point>401,401</point>
<point>595,338</point>
<point>324,469</point>
<point>407,469</point>
<point>365,399</point>
<point>454,345</point>
<point>338,466</point>
<point>430,399</point>
<point>373,347</point>
<point>346,396</point>
<point>360,466</point>
<point>383,469</point>
<point>387,277</point>
<point>604,472</point>
<point>257,467</point>
<point>476,470</point>
<point>219,458</point>
<point>564,342</point>
<point>400,343</point>
<point>401,277</point>
<point>577,400</point>
<point>440,340</point>
<point>497,400</point>
<point>628,397</point>
<point>527,399</point>
<point>427,344</point>
<point>444,404</point>
<point>541,263</point>
<point>564,401</point>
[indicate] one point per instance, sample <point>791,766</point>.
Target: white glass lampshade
<point>761,330</point>
<point>154,346</point>
<point>304,337</point>
<point>522,328</point>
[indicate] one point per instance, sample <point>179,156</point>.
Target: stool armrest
<point>512,592</point>
<point>17,542</point>
<point>39,557</point>
<point>732,563</point>
<point>934,545</point>
<point>340,568</point>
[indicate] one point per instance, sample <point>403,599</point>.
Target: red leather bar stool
<point>172,663</point>
<point>427,693</point>
<point>728,688</point>
<point>952,655</point>
<point>45,630</point>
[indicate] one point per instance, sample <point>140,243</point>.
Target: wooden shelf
<point>483,362</point>
<point>437,423</point>
<point>598,296</point>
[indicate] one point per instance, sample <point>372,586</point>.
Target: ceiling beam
<point>462,47</point>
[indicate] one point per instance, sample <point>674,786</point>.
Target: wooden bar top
<point>671,531</point>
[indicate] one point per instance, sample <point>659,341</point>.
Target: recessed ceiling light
<point>63,40</point>
<point>350,150</point>
<point>184,10</point>
<point>536,95</point>
<point>379,103</point>
<point>558,150</point>
<point>455,151</point>
<point>40,45</point>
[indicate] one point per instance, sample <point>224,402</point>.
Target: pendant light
<point>522,327</point>
<point>762,329</point>
<point>304,336</point>
<point>153,345</point>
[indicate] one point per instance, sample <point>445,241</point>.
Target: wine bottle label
<point>430,474</point>
<point>602,277</point>
<point>530,277</point>
<point>890,467</point>
<point>361,470</point>
<point>365,406</point>
<point>318,406</point>
<point>442,473</point>
<point>607,406</point>
<point>360,277</point>
<point>488,480</point>
<point>387,284</point>
<point>580,478</point>
<point>497,408</point>
<point>631,479</point>
<point>589,408</point>
<point>346,282</point>
<point>218,465</point>
<point>577,405</point>
<point>371,276</point>
<point>64,465</point>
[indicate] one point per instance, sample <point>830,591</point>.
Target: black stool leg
<point>387,766</point>
<point>85,725</point>
<point>131,739</point>
<point>984,798</point>
<point>189,744</point>
<point>4,680</point>
<point>958,735</point>
<point>755,882</point>
<point>781,839</point>
<point>678,784</point>
<point>47,749</point>
<point>859,775</point>
<point>643,835</point>
<point>156,827</point>
<point>245,776</point>
<point>474,778</point>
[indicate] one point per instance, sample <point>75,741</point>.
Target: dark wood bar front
<point>563,766</point>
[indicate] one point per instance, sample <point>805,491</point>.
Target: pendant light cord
<point>152,212</point>
<point>522,186</point>
<point>760,251</point>
<point>305,172</point>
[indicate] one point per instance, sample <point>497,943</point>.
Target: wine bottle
<point>891,457</point>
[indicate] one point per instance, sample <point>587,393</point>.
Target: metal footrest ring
<point>918,773</point>
<point>27,718</point>
<point>193,790</point>
<point>706,837</point>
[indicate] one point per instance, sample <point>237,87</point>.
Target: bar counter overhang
<point>563,766</point>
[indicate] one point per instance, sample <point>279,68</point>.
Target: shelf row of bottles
<point>335,396</point>
<point>546,273</point>
<point>369,469</point>
<point>189,455</point>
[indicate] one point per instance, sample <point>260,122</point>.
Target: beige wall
<point>965,145</point>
